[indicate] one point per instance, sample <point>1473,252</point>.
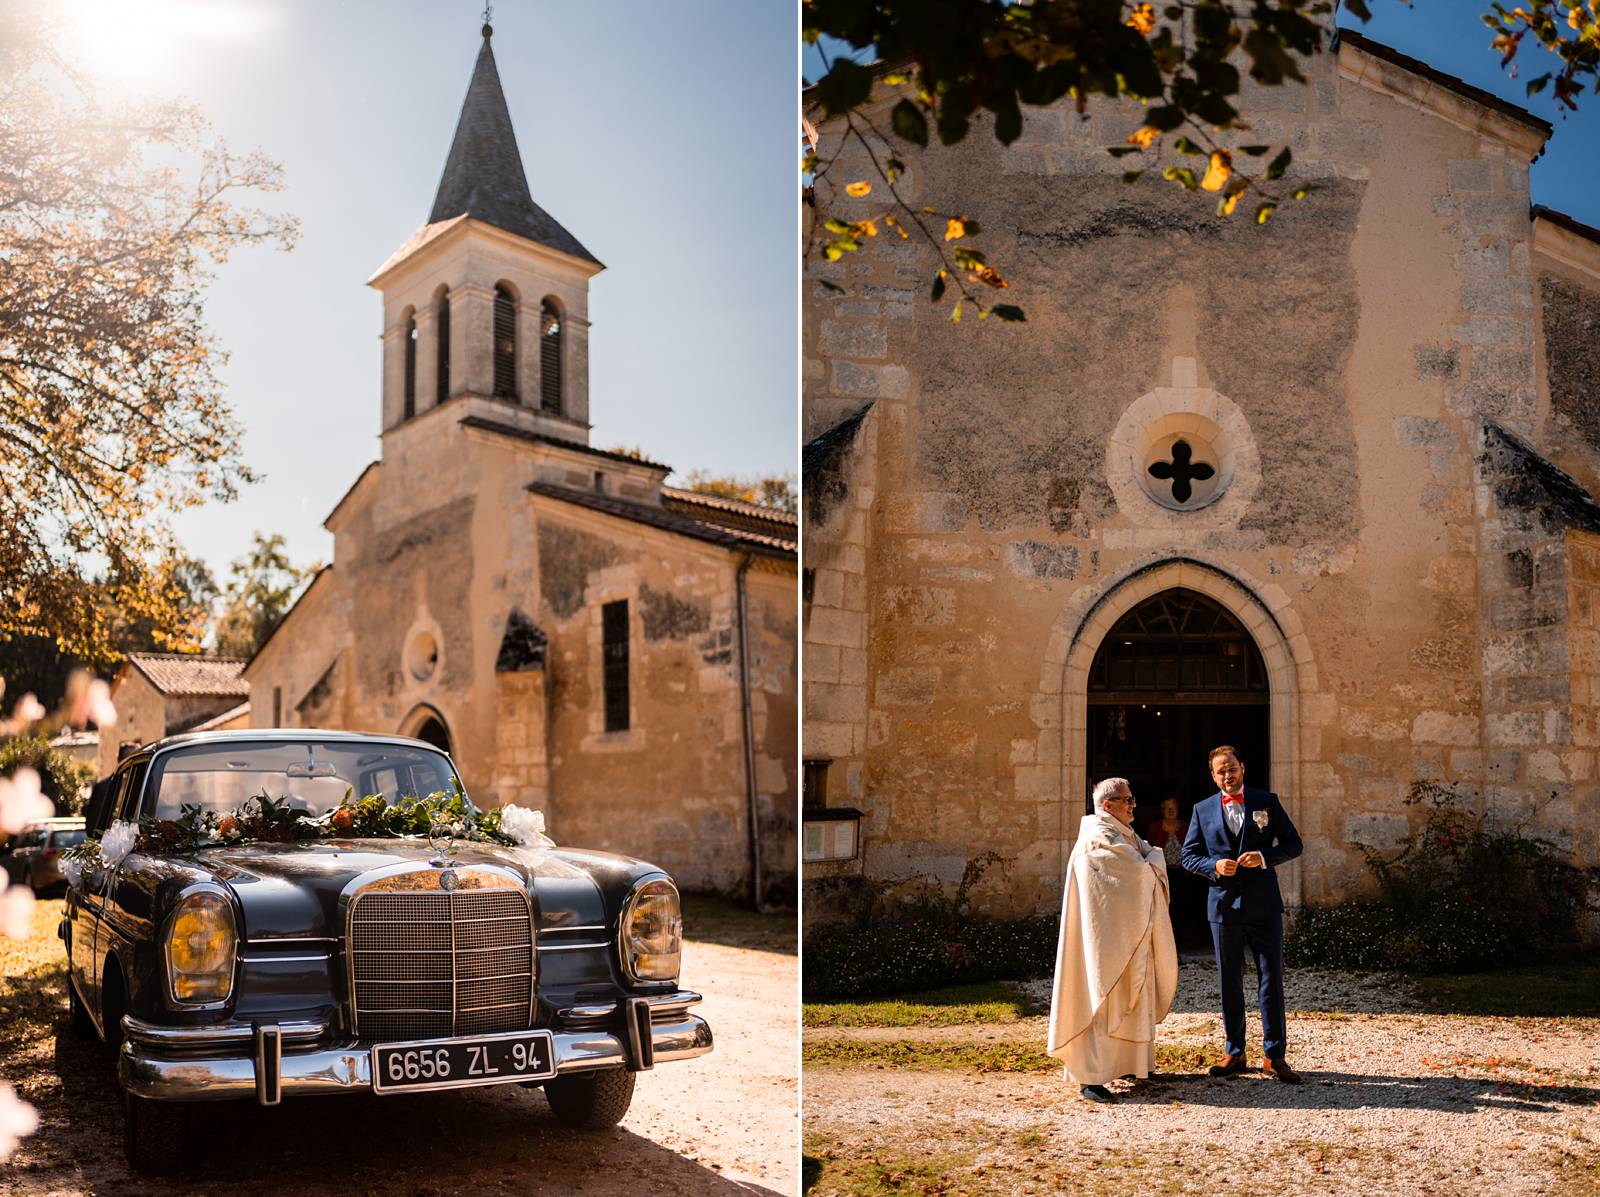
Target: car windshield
<point>313,775</point>
<point>66,839</point>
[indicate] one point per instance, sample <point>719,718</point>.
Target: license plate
<point>457,1063</point>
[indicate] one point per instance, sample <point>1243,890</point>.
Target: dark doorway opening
<point>1175,677</point>
<point>432,731</point>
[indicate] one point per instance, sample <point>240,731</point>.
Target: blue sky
<point>1449,36</point>
<point>662,135</point>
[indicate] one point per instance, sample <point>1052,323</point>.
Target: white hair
<point>1105,789</point>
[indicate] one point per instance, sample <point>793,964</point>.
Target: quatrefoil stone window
<point>1182,467</point>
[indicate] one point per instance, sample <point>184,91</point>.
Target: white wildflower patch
<point>525,826</point>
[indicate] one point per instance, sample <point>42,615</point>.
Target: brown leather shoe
<point>1279,1070</point>
<point>1230,1065</point>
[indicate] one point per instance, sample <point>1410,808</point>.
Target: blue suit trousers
<point>1264,938</point>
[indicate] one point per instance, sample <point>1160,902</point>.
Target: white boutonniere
<point>1262,818</point>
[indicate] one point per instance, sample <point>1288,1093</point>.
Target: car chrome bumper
<point>151,1067</point>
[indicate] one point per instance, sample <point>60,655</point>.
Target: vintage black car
<point>330,964</point>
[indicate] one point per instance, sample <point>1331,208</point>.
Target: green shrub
<point>60,777</point>
<point>1458,895</point>
<point>927,941</point>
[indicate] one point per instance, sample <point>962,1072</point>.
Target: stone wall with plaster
<point>1342,364</point>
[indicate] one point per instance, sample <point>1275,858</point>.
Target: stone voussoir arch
<point>1266,612</point>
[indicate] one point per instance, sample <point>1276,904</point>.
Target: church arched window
<point>550,356</point>
<point>505,342</point>
<point>411,365</point>
<point>442,324</point>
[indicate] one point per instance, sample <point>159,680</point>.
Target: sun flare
<point>141,43</point>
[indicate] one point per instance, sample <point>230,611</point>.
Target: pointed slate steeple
<point>483,175</point>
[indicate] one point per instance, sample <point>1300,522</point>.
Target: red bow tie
<point>1232,799</point>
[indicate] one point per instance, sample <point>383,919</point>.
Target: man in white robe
<point>1116,962</point>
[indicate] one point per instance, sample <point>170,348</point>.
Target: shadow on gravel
<point>500,1139</point>
<point>719,921</point>
<point>1354,1091</point>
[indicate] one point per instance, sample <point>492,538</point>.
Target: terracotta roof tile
<point>187,673</point>
<point>670,521</point>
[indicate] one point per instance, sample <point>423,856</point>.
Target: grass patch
<point>974,1057</point>
<point>954,1005</point>
<point>1563,989</point>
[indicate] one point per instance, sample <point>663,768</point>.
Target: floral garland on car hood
<point>265,819</point>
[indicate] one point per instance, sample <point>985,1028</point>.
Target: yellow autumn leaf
<point>857,190</point>
<point>1575,16</point>
<point>869,227</point>
<point>1143,19</point>
<point>955,230</point>
<point>1230,203</point>
<point>1143,137</point>
<point>1217,173</point>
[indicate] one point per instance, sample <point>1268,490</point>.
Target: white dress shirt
<point>1233,812</point>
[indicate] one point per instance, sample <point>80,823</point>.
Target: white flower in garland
<point>72,871</point>
<point>118,841</point>
<point>525,826</point>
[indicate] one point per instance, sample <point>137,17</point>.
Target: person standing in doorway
<point>1237,839</point>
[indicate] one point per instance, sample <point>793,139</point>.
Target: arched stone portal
<point>1176,676</point>
<point>1083,627</point>
<point>427,725</point>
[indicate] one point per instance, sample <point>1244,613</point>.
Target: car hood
<point>290,891</point>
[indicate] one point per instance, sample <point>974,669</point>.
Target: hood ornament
<point>442,839</point>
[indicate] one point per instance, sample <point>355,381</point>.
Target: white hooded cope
<point>1116,962</point>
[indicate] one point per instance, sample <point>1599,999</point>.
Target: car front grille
<point>425,962</point>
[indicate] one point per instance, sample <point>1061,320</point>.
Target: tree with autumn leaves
<point>112,416</point>
<point>1185,61</point>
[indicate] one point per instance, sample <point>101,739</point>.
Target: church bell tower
<point>485,308</point>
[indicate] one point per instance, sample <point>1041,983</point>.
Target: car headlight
<point>201,941</point>
<point>652,932</point>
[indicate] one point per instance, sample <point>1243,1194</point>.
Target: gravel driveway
<point>724,1124</point>
<point>1394,1098</point>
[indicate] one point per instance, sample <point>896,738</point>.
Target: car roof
<point>256,735</point>
<point>57,823</point>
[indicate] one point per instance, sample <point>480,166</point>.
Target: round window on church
<point>422,656</point>
<point>1186,463</point>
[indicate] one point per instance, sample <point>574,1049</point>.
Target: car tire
<point>78,1019</point>
<point>591,1101</point>
<point>155,1134</point>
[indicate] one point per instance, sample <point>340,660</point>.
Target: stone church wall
<point>1352,353</point>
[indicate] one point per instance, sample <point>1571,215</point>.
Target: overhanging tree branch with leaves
<point>954,59</point>
<point>112,415</point>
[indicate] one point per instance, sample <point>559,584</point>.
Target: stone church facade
<point>1320,489</point>
<point>580,636</point>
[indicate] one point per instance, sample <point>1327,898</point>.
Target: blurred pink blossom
<point>89,701</point>
<point>21,802</point>
<point>18,1120</point>
<point>16,912</point>
<point>28,711</point>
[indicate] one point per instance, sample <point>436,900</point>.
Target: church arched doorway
<point>427,725</point>
<point>1177,675</point>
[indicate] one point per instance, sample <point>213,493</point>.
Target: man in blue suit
<point>1237,839</point>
